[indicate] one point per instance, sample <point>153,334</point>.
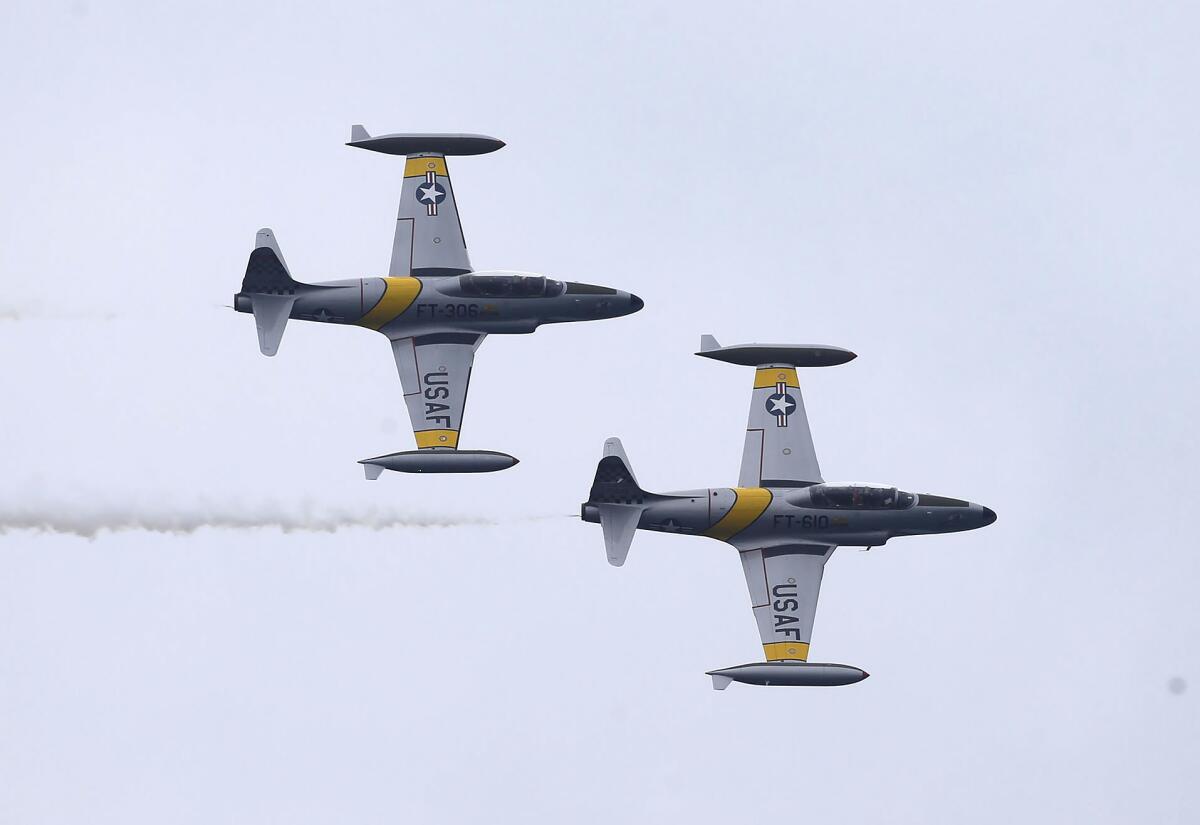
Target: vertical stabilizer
<point>613,447</point>
<point>265,239</point>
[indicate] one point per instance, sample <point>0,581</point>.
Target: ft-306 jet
<point>784,520</point>
<point>433,308</point>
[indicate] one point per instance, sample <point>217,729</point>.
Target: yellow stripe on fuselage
<point>398,295</point>
<point>770,376</point>
<point>436,438</point>
<point>419,167</point>
<point>748,504</point>
<point>786,650</point>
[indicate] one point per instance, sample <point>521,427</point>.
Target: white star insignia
<point>782,405</point>
<point>429,193</point>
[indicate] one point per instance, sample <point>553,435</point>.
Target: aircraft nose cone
<point>989,515</point>
<point>635,303</point>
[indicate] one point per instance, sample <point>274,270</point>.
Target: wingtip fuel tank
<point>795,674</point>
<point>798,355</point>
<point>438,461</point>
<point>410,144</point>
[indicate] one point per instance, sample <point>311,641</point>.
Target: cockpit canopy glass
<point>509,286</point>
<point>859,497</point>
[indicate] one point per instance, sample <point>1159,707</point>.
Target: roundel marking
<point>431,192</point>
<point>781,404</point>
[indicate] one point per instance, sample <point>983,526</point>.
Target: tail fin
<point>615,482</point>
<point>270,289</point>
<point>618,500</point>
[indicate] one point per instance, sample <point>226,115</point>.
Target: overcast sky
<point>993,204</point>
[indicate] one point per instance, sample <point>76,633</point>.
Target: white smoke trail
<point>91,521</point>
<point>15,314</point>
<point>37,312</point>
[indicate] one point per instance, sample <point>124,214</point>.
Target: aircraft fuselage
<point>772,516</point>
<point>471,303</point>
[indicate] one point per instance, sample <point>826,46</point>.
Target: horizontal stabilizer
<point>618,522</point>
<point>417,144</point>
<point>439,461</point>
<point>271,314</point>
<point>795,355</point>
<point>798,674</point>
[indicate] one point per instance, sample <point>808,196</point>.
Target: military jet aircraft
<point>783,518</point>
<point>432,306</point>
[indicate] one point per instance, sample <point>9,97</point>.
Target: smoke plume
<point>33,313</point>
<point>90,521</point>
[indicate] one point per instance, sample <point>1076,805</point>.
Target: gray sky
<point>993,204</point>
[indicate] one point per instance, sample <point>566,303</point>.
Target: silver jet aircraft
<point>783,518</point>
<point>432,306</point>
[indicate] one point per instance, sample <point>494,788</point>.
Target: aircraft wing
<point>429,239</point>
<point>435,371</point>
<point>779,448</point>
<point>784,584</point>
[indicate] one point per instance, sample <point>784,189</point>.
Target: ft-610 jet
<point>433,308</point>
<point>784,520</point>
